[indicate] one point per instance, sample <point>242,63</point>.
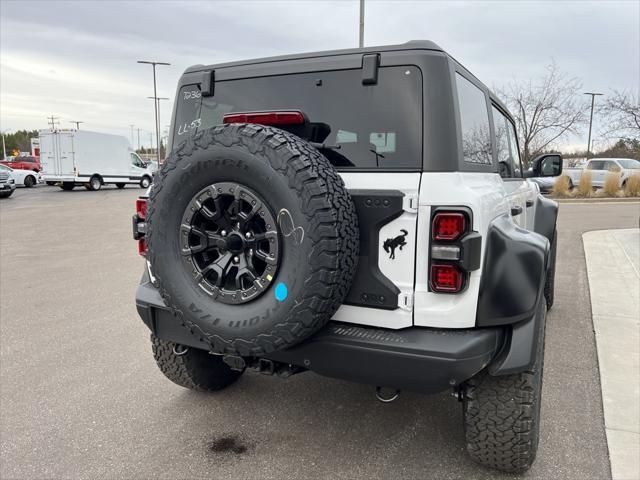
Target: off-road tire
<point>284,170</point>
<point>194,369</point>
<point>502,414</point>
<point>551,272</point>
<point>120,185</point>
<point>29,181</point>
<point>67,186</point>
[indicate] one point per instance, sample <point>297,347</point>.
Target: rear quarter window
<point>375,126</point>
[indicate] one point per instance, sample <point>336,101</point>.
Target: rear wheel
<point>67,186</point>
<point>120,185</point>
<point>29,181</point>
<point>502,413</point>
<point>191,367</point>
<point>145,182</point>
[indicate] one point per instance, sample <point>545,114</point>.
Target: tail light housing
<point>455,249</point>
<point>291,117</point>
<point>139,225</point>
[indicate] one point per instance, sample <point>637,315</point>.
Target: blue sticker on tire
<point>282,292</point>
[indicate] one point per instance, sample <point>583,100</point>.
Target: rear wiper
<point>325,146</point>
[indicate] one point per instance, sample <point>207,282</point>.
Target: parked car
<point>600,167</point>
<point>26,178</point>
<point>7,182</point>
<point>328,212</point>
<point>23,163</point>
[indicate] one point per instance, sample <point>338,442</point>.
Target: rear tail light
<point>266,118</point>
<point>451,249</point>
<point>446,278</point>
<point>141,208</point>
<point>139,225</point>
<point>448,226</point>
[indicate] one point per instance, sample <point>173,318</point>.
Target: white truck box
<point>74,157</point>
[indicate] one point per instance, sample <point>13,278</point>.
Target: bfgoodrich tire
<point>238,198</point>
<point>192,368</point>
<point>502,413</point>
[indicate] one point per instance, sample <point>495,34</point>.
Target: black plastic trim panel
<point>370,288</point>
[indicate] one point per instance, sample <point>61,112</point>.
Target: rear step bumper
<point>418,359</point>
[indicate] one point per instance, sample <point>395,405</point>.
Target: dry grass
<point>585,185</point>
<point>611,186</point>
<point>632,187</point>
<point>561,187</point>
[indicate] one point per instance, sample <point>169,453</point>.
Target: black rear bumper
<point>418,359</point>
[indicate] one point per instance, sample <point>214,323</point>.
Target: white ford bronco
<point>362,214</point>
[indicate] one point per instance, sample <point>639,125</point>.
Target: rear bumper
<point>418,359</point>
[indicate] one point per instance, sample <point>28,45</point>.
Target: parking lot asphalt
<point>81,397</point>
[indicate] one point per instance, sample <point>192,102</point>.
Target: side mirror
<point>546,165</point>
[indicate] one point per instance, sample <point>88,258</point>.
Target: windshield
<point>374,126</point>
<point>629,163</point>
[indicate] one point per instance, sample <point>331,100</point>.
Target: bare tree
<point>545,109</point>
<point>621,112</point>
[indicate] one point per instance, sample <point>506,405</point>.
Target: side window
<point>135,160</point>
<point>613,166</point>
<point>595,165</point>
<point>506,146</point>
<point>474,121</point>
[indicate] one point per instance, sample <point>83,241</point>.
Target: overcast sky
<point>77,60</point>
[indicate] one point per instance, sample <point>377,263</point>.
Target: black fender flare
<point>545,218</point>
<point>513,273</point>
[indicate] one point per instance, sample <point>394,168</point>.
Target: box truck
<point>78,157</point>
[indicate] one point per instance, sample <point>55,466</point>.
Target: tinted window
<point>474,120</point>
<point>596,165</point>
<point>506,146</point>
<point>374,125</point>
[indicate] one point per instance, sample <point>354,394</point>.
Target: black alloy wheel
<point>229,242</point>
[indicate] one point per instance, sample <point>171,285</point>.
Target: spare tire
<point>252,238</point>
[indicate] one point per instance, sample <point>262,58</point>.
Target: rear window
<point>376,126</point>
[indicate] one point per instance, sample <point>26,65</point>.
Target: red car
<point>23,163</point>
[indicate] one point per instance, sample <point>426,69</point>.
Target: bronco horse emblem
<point>390,244</point>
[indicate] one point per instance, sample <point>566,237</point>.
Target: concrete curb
<point>613,269</point>
<point>597,200</point>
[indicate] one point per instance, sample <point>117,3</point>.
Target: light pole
<point>157,99</point>
<point>155,94</point>
<point>4,148</point>
<point>77,124</point>
<point>131,125</point>
<point>593,101</point>
<point>361,36</point>
<point>138,138</point>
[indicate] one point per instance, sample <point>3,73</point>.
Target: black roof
<point>412,45</point>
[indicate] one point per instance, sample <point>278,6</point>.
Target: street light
<point>157,99</point>
<point>77,124</point>
<point>4,149</point>
<point>593,100</point>
<point>155,94</point>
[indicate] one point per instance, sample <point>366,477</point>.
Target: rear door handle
<point>529,203</point>
<point>516,210</point>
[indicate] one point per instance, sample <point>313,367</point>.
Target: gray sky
<point>77,60</point>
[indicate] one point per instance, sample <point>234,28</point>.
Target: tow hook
<point>389,399</point>
<point>459,392</point>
